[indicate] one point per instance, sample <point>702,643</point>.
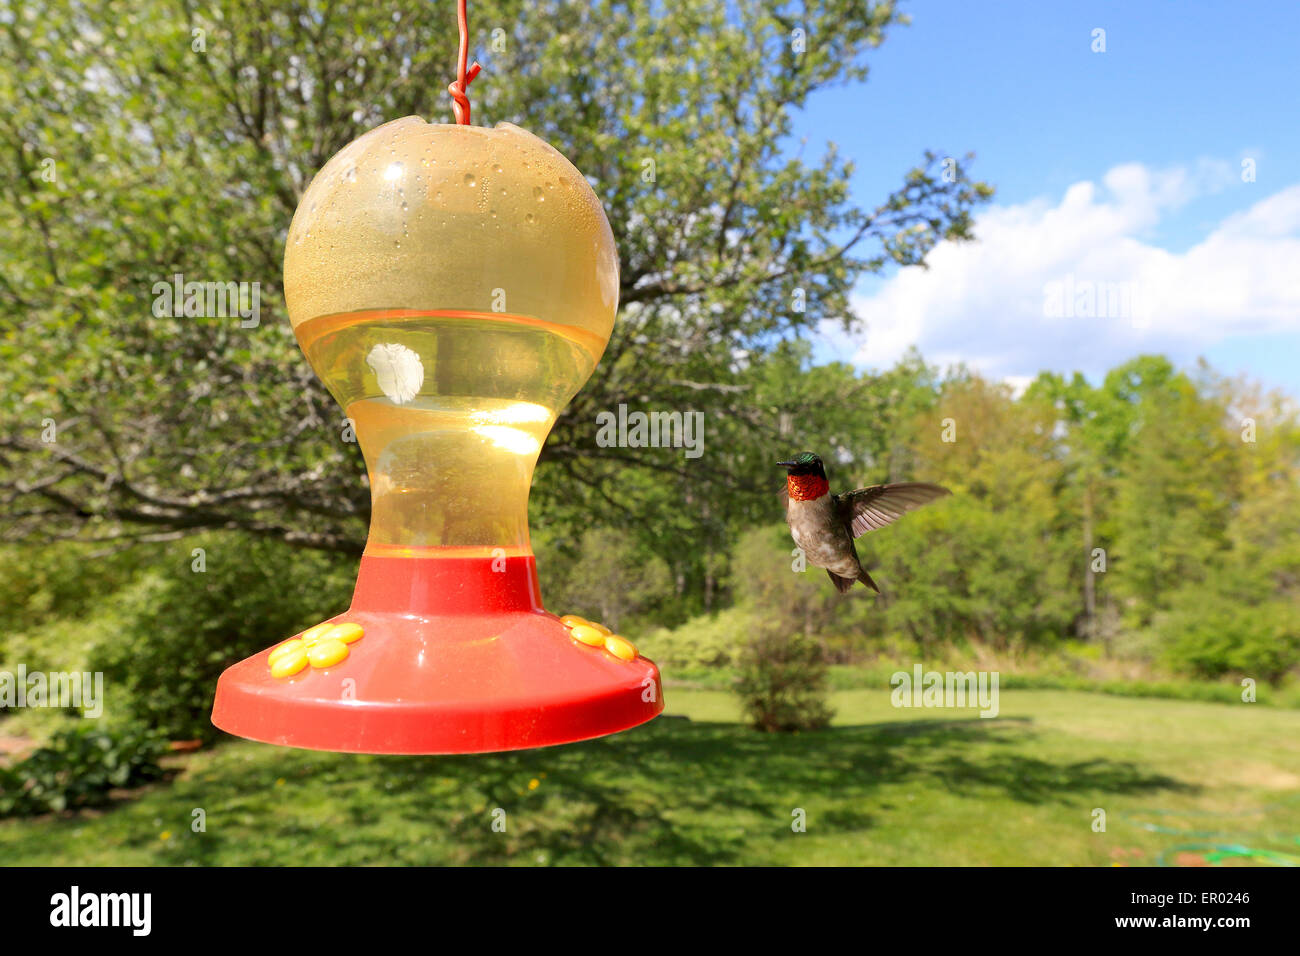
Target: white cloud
<point>1074,285</point>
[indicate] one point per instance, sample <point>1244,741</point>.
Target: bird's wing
<point>870,508</point>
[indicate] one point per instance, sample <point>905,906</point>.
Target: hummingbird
<point>824,525</point>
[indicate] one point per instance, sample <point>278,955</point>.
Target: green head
<point>804,463</point>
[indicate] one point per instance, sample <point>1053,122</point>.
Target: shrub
<point>609,578</point>
<point>78,768</point>
<point>707,641</point>
<point>60,644</point>
<point>63,578</point>
<point>782,683</point>
<point>763,579</point>
<point>182,629</point>
<point>1210,635</point>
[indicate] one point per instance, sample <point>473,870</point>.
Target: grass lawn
<point>881,786</point>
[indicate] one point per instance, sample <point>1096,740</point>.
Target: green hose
<point>1217,853</point>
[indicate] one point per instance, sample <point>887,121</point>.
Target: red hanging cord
<point>459,86</point>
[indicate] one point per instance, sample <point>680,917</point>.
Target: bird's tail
<point>865,578</point>
<point>843,585</point>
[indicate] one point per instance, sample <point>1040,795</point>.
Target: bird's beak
<point>785,464</point>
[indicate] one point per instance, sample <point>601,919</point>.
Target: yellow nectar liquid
<point>451,409</point>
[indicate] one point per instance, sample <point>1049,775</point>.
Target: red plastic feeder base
<point>456,658</point>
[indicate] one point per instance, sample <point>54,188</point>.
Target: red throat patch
<point>806,487</point>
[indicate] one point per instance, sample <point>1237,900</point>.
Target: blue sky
<point>1118,170</point>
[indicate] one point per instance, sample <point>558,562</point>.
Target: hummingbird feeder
<point>453,287</point>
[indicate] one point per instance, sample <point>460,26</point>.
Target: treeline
<point>1152,517</point>
<point>1155,515</point>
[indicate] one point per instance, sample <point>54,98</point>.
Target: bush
<point>183,628</point>
<point>609,578</point>
<point>763,579</point>
<point>782,683</point>
<point>78,768</point>
<point>61,581</point>
<point>1210,635</point>
<point>61,578</point>
<point>60,644</point>
<point>707,641</point>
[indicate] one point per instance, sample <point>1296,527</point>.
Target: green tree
<point>1177,484</point>
<point>992,565</point>
<point>143,139</point>
<point>767,580</point>
<point>610,579</point>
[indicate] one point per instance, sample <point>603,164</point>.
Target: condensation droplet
<point>538,194</point>
<point>470,180</point>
